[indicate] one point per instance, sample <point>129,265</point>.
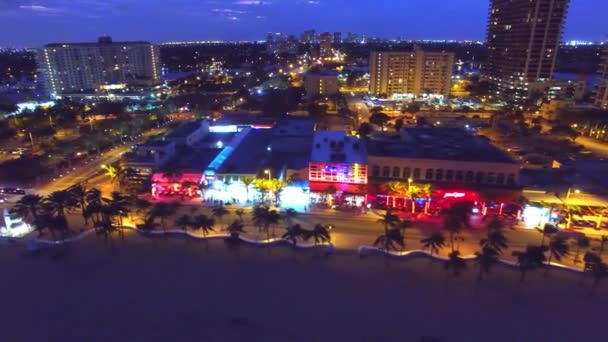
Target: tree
<point>58,203</point>
<point>203,187</point>
<point>388,220</point>
<point>398,125</point>
<point>293,233</point>
<point>379,119</point>
<point>289,215</point>
<point>558,248</point>
<point>582,242</point>
<point>530,259</point>
<point>240,212</point>
<point>118,208</point>
<point>79,195</point>
<point>163,211</point>
<point>247,181</point>
<point>319,233</point>
<point>219,212</point>
<point>598,269</point>
<point>264,217</point>
<point>204,223</point>
<point>390,240</point>
<point>495,239</point>
<point>455,263</point>
<point>234,229</point>
<point>453,228</point>
<point>547,230</point>
<point>28,207</point>
<point>433,242</point>
<point>485,259</point>
<point>365,129</point>
<point>184,222</point>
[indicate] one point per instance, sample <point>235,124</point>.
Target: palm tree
<point>547,230</point>
<point>293,233</point>
<point>263,217</point>
<point>558,248</point>
<point>113,172</point>
<point>219,212</point>
<point>390,239</point>
<point>485,259</point>
<point>395,189</point>
<point>235,229</point>
<point>247,181</point>
<point>118,208</point>
<point>183,222</point>
<point>389,220</point>
<point>455,263</point>
<point>28,206</point>
<point>530,259</point>
<point>163,211</point>
<point>240,212</point>
<point>288,215</point>
<point>95,203</point>
<point>495,224</point>
<point>79,194</point>
<point>434,242</point>
<point>140,205</point>
<point>453,228</point>
<point>582,242</point>
<point>495,239</point>
<point>58,203</point>
<point>204,223</point>
<point>598,269</point>
<point>319,233</point>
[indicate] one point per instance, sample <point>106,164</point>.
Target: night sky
<point>36,22</point>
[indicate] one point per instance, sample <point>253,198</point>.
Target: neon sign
<point>454,195</point>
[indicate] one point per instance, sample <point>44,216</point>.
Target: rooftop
<point>338,147</point>
<point>437,143</point>
<point>194,159</point>
<point>249,156</point>
<point>102,41</point>
<point>185,129</point>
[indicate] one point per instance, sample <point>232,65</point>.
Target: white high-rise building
<point>79,67</point>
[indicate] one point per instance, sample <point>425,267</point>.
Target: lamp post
<point>576,191</point>
<point>569,220</point>
<point>267,172</point>
<point>409,192</point>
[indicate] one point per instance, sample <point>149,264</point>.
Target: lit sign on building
<point>338,173</point>
<point>454,195</point>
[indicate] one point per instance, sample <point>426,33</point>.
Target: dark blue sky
<point>35,22</point>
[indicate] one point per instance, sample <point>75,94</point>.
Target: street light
<point>576,191</point>
<point>267,172</point>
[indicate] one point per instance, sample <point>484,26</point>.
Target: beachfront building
<point>338,168</point>
<point>456,165</point>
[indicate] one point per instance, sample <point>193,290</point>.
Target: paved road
<point>92,167</point>
<point>598,148</point>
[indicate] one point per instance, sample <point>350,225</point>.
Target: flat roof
<point>338,147</point>
<point>195,159</point>
<point>93,44</point>
<point>250,155</point>
<point>437,143</point>
<point>185,129</point>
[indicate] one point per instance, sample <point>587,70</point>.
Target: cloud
<point>251,2</point>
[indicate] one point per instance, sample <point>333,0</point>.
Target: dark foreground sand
<point>173,290</point>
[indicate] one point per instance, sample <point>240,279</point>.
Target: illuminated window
<point>338,173</point>
<point>429,174</point>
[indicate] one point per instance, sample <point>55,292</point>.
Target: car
<point>2,199</point>
<point>14,191</point>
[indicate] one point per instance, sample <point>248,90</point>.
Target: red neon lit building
<point>338,162</point>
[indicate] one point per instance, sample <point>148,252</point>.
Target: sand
<point>178,290</point>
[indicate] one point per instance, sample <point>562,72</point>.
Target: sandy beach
<point>184,290</point>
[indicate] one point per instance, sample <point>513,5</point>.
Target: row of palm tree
<point>492,245</point>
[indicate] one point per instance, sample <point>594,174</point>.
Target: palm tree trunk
<point>549,263</point>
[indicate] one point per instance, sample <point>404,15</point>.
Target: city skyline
<point>83,20</point>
